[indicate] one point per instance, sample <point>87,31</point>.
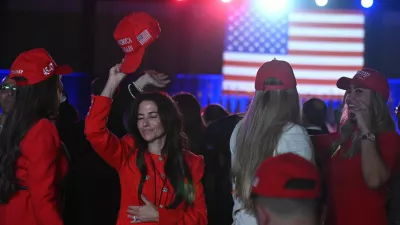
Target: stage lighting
<point>272,6</point>
<point>367,3</point>
<point>225,1</point>
<point>321,2</point>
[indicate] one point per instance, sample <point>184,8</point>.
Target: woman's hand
<point>362,115</point>
<point>115,76</point>
<point>151,77</point>
<point>146,213</point>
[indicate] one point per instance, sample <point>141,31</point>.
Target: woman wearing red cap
<point>32,162</point>
<point>160,182</point>
<point>269,128</point>
<point>358,160</point>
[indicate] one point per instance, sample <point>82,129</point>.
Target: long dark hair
<point>32,103</point>
<point>176,169</point>
<point>192,123</point>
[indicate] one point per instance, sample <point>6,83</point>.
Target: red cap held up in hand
<point>133,34</point>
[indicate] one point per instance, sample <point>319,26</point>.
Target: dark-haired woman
<point>160,182</point>
<point>32,162</point>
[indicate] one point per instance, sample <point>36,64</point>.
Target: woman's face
<point>357,97</point>
<point>7,95</point>
<point>149,122</point>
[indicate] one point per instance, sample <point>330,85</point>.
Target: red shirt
<point>349,200</point>
<point>41,167</point>
<point>156,188</point>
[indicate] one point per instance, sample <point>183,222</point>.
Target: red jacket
<point>156,188</point>
<point>349,200</point>
<point>40,167</point>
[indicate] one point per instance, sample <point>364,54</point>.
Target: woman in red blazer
<point>160,182</point>
<point>32,163</point>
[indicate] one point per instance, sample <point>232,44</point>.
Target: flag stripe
<point>248,86</point>
<point>330,25</point>
<point>326,39</point>
<point>319,53</point>
<point>298,67</point>
<point>246,93</point>
<point>321,46</point>
<point>300,74</point>
<point>326,46</point>
<point>303,59</point>
<point>299,81</point>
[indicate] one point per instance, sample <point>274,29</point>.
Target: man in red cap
<point>133,34</point>
<point>286,190</point>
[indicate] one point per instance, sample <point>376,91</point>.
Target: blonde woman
<point>358,161</point>
<point>270,127</point>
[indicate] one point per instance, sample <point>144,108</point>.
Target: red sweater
<point>156,188</point>
<point>349,200</point>
<point>41,167</point>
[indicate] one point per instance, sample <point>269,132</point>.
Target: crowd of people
<point>153,158</point>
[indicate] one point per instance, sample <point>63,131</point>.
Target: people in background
<point>192,124</point>
<point>314,116</point>
<point>7,98</point>
<point>286,190</point>
<point>270,127</point>
<point>160,181</point>
<point>359,160</point>
<point>32,160</point>
<point>213,112</point>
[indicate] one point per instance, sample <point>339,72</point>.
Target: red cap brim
<point>132,61</point>
<point>345,82</point>
<point>63,70</point>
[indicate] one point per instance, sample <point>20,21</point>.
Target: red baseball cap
<point>287,176</point>
<point>133,34</point>
<point>368,79</point>
<point>275,69</point>
<point>35,66</point>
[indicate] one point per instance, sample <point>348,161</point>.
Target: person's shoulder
<point>191,157</point>
<point>195,163</point>
<point>44,126</point>
<point>292,128</point>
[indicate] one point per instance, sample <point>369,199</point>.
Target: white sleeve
<point>295,139</point>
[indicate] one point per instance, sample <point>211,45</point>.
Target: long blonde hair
<point>381,121</point>
<point>259,134</point>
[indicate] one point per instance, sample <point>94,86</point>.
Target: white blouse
<point>294,139</point>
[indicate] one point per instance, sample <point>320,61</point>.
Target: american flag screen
<point>320,45</point>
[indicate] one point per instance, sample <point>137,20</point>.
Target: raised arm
<point>41,147</point>
<point>197,213</point>
<point>106,144</point>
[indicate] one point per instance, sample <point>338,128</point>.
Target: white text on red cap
<point>362,74</point>
<point>48,69</point>
<point>17,71</point>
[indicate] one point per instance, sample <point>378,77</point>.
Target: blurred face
<point>357,97</point>
<point>149,122</point>
<point>7,95</point>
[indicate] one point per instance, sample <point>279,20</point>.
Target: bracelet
<point>137,88</point>
<point>369,137</point>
